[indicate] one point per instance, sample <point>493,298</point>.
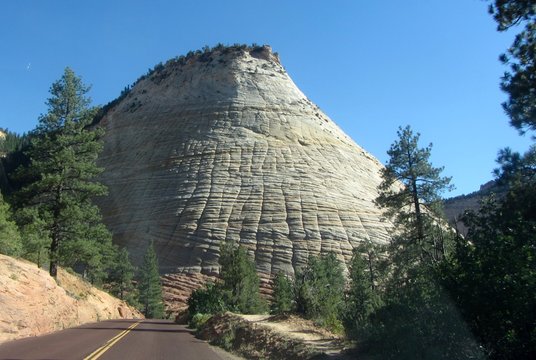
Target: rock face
<point>32,303</point>
<point>223,146</point>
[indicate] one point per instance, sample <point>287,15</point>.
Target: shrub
<point>198,320</point>
<point>240,281</point>
<point>320,291</point>
<point>10,241</point>
<point>209,300</point>
<point>283,301</point>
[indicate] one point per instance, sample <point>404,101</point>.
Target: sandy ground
<point>297,328</point>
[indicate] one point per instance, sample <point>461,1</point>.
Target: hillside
<point>273,337</point>
<point>456,206</point>
<point>32,303</point>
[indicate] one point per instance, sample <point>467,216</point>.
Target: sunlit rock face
<point>223,146</point>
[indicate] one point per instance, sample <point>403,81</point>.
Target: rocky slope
<point>32,303</point>
<point>222,146</point>
<point>272,337</point>
<point>455,207</point>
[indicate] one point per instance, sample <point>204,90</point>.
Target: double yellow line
<point>98,353</point>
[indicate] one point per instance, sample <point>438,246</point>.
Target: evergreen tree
<point>121,277</point>
<point>419,322</point>
<point>10,241</point>
<point>150,288</point>
<point>412,205</point>
<point>520,82</point>
<point>283,294</point>
<point>238,289</point>
<point>10,141</point>
<point>363,296</point>
<point>320,291</point>
<point>416,320</point>
<point>208,300</point>
<point>492,274</point>
<point>35,239</point>
<point>63,153</point>
<point>240,281</point>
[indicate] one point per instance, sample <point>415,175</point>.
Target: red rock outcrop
<point>32,303</point>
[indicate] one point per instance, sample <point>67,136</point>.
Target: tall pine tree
<point>10,241</point>
<point>283,294</point>
<point>121,277</point>
<point>150,288</point>
<point>412,205</point>
<point>415,320</point>
<point>63,154</point>
<point>363,296</point>
<point>520,81</point>
<point>240,282</point>
<point>320,290</point>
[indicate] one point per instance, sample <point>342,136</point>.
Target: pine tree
<point>121,277</point>
<point>35,238</point>
<point>238,289</point>
<point>416,317</point>
<point>240,281</point>
<point>207,300</point>
<point>10,141</point>
<point>150,288</point>
<point>412,205</point>
<point>520,81</point>
<point>283,294</point>
<point>10,241</point>
<point>320,291</point>
<point>63,153</point>
<point>492,274</point>
<point>363,296</point>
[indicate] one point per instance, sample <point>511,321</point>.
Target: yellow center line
<point>98,353</point>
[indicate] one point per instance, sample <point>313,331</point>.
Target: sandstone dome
<point>221,145</point>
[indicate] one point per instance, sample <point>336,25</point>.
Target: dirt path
<point>300,329</point>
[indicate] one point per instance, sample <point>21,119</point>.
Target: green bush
<point>226,340</point>
<point>241,284</point>
<point>320,291</point>
<point>10,240</point>
<point>238,290</point>
<point>420,322</point>
<point>198,320</point>
<point>209,300</point>
<point>283,301</point>
<point>363,297</point>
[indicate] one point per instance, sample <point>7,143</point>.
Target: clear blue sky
<point>370,65</point>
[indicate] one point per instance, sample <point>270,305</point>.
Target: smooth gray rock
<point>226,147</point>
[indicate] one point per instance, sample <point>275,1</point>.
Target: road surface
<point>113,339</point>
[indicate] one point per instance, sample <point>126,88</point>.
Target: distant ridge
<point>456,206</point>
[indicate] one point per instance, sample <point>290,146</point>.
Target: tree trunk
<point>418,214</point>
<point>371,269</point>
<point>55,244</point>
<point>54,258</point>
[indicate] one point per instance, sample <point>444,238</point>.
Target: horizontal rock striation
<point>222,146</point>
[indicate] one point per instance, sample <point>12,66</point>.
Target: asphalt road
<point>113,339</point>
